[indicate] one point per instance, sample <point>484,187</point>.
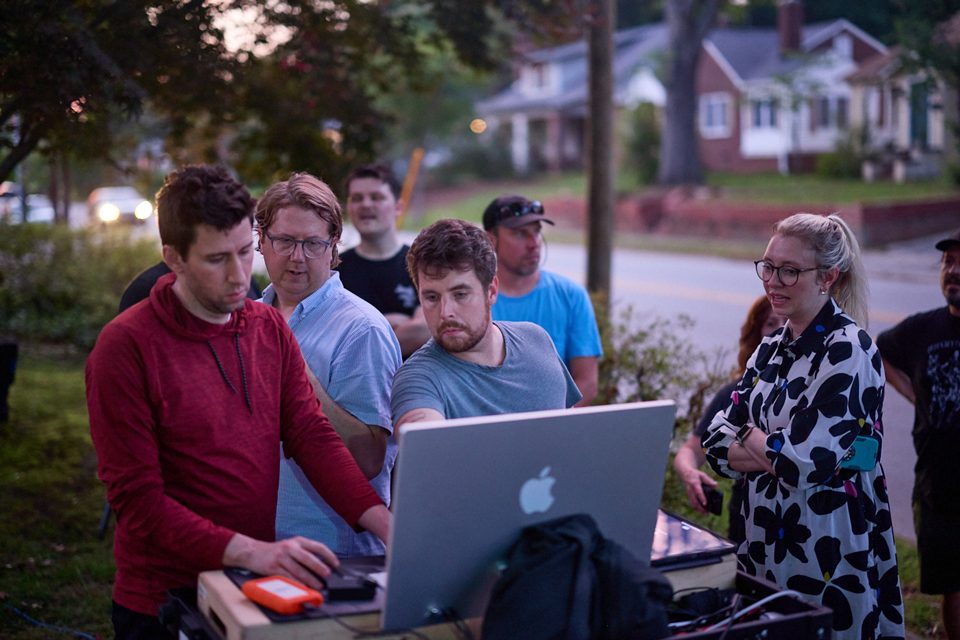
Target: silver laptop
<point>465,488</point>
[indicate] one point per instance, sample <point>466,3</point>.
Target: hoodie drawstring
<point>243,372</point>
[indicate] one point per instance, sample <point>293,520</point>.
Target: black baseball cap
<point>944,245</point>
<point>513,212</point>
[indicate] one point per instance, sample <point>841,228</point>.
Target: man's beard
<point>953,298</point>
<point>952,294</point>
<point>466,342</point>
<point>524,268</point>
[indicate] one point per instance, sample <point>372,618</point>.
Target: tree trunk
<point>688,22</point>
<point>53,189</point>
<point>600,147</point>
<point>62,209</point>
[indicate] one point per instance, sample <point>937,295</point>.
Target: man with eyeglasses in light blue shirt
<point>350,349</point>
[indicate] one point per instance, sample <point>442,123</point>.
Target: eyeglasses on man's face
<point>285,245</point>
<point>517,209</point>
<point>787,275</point>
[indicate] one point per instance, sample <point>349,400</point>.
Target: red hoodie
<point>187,418</point>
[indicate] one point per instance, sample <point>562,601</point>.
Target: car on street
<point>108,205</point>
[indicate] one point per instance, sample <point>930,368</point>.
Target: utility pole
<point>600,147</point>
<point>19,171</point>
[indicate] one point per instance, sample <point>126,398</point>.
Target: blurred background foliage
<point>59,285</point>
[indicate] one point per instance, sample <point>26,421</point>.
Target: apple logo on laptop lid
<point>535,494</point>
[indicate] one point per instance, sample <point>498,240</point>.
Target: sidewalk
<point>913,260</point>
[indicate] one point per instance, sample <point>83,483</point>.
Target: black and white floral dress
<point>812,527</point>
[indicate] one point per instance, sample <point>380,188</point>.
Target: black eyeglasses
<point>517,209</point>
<point>788,276</point>
<point>312,247</point>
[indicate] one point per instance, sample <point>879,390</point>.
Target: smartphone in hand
<point>714,498</point>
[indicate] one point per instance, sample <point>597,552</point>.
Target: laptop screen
<point>465,488</point>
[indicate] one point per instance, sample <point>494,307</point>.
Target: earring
<point>822,291</point>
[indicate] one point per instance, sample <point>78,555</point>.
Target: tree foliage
<point>311,105</point>
<point>929,31</point>
<point>69,70</point>
<point>316,90</point>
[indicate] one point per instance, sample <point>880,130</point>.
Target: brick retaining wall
<point>697,212</point>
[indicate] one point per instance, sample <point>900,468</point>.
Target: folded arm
<point>367,443</point>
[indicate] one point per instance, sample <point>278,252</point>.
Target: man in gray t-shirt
<point>472,366</point>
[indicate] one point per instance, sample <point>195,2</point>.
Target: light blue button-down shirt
<point>354,353</point>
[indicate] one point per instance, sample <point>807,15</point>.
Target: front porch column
<point>520,142</point>
<point>553,143</point>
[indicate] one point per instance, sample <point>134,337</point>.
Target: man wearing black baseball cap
<point>529,293</point>
<point>921,356</point>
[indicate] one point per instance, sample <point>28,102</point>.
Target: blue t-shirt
<point>351,349</point>
<point>531,378</point>
<point>560,306</point>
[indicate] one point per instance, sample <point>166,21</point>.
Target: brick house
<point>769,98</point>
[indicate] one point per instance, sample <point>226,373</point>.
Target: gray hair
<point>835,246</point>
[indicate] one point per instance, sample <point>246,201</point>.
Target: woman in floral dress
<point>815,523</point>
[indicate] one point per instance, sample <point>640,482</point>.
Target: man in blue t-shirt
<point>529,293</point>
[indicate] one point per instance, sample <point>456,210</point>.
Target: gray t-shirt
<point>531,378</point>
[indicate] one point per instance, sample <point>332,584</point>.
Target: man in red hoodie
<point>190,394</point>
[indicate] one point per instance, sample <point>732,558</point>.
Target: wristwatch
<point>743,433</point>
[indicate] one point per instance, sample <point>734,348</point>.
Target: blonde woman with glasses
<point>804,430</point>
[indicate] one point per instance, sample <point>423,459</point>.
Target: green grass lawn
<point>52,566</point>
<point>475,198</point>
<point>811,189</point>
<point>55,570</point>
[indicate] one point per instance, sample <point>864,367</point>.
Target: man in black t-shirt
<point>376,269</point>
<point>921,356</point>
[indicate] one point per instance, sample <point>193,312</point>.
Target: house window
<point>539,75</point>
<point>764,113</point>
<point>715,111</point>
<point>843,105</point>
<point>827,112</point>
<point>843,45</point>
<point>823,112</point>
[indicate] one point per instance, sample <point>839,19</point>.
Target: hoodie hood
<point>176,317</point>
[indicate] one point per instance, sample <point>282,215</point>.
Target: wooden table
<point>235,617</point>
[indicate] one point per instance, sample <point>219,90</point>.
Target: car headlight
<point>108,212</point>
<point>143,211</point>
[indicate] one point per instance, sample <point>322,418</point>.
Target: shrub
<point>953,173</point>
<point>644,143</point>
<point>59,285</point>
<point>846,159</point>
<point>473,159</point>
<point>653,359</point>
